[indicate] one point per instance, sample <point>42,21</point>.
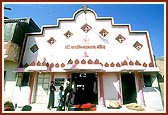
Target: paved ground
<point>41,108</point>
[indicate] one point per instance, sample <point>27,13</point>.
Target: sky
<point>142,16</point>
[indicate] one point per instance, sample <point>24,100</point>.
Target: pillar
<point>31,85</point>
<point>119,89</point>
<point>140,92</point>
<point>101,99</point>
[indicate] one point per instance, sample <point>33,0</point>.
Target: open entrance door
<point>128,88</point>
<point>85,86</point>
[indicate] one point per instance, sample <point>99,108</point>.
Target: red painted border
<point>31,85</point>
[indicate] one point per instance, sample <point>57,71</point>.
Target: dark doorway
<point>128,88</point>
<point>86,88</point>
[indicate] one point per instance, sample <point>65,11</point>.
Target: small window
<point>147,80</point>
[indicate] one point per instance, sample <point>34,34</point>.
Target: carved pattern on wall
<point>104,32</point>
<point>68,34</point>
<point>120,38</point>
<point>86,28</point>
<point>138,45</point>
<point>51,41</point>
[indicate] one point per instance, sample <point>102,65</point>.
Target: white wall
<point>114,51</point>
<point>152,98</point>
<point>110,86</point>
<point>10,80</point>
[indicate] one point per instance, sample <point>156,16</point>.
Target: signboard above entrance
<point>85,47</point>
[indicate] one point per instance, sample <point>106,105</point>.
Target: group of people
<point>63,101</point>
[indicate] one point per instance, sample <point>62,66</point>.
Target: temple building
<point>102,61</point>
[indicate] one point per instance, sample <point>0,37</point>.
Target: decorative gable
<point>93,45</point>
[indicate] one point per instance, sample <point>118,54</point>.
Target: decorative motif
<point>38,63</point>
<point>70,62</point>
<point>68,34</point>
<point>120,38</point>
<point>83,62</point>
<point>33,64</point>
<point>124,63</point>
<point>51,41</point>
<point>90,61</point>
<point>144,64</point>
<point>56,65</point>
<point>85,54</point>
<point>96,61</point>
<point>138,45</point>
<point>106,64</point>
<point>131,62</point>
<point>62,65</point>
<point>84,7</point>
<point>76,61</point>
<point>34,48</point>
<point>118,64</point>
<point>103,32</point>
<point>151,64</point>
<point>86,28</point>
<point>137,62</point>
<point>112,64</point>
<point>26,65</point>
<point>51,65</point>
<point>44,63</point>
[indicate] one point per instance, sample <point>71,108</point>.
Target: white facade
<point>114,51</point>
<point>67,49</point>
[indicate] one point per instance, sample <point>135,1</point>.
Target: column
<point>31,85</point>
<point>140,92</point>
<point>101,99</point>
<point>119,89</point>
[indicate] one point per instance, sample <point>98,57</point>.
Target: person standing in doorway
<point>60,99</point>
<point>51,96</point>
<point>67,98</point>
